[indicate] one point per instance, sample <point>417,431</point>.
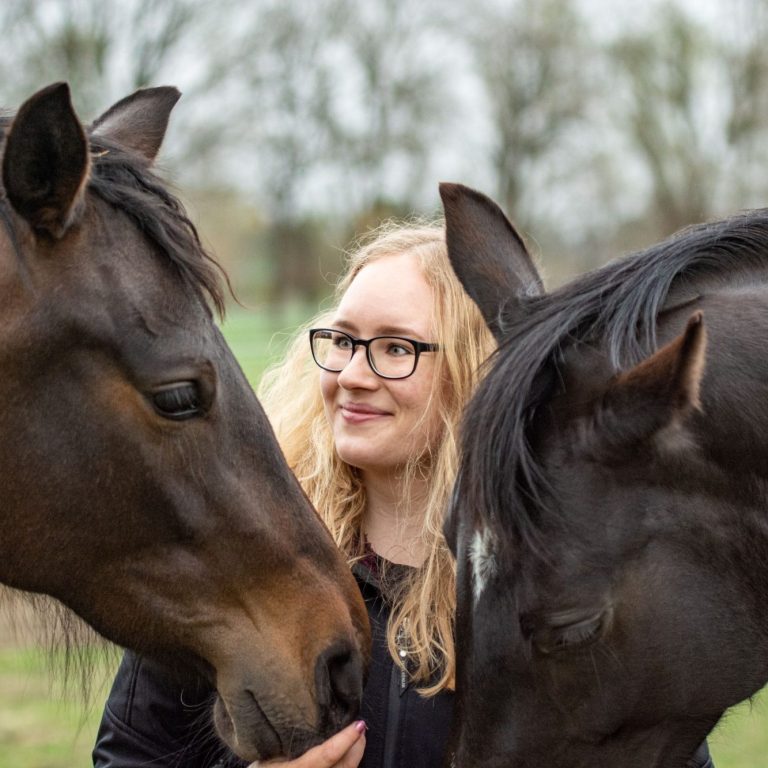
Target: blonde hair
<point>423,609</point>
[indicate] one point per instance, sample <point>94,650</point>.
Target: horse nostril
<point>339,682</point>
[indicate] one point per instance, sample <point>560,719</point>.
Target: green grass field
<point>258,340</point>
<point>42,726</point>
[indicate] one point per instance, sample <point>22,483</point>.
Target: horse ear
<point>660,392</point>
<point>139,121</point>
<point>45,163</point>
<point>488,256</point>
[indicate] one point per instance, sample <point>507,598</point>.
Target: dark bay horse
<point>610,519</point>
<point>141,483</point>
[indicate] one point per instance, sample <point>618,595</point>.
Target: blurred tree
<point>313,120</point>
<point>394,89</point>
<point>104,49</point>
<point>663,113</point>
<point>530,59</point>
<point>281,125</point>
<point>743,27</point>
<point>342,107</point>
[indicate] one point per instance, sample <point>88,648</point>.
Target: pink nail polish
<point>360,726</point>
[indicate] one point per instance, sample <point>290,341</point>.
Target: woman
<point>374,444</point>
<point>375,447</point>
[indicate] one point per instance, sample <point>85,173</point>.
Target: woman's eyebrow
<point>343,325</point>
<point>381,330</point>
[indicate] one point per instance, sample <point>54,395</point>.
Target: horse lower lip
<point>269,747</point>
<point>254,738</point>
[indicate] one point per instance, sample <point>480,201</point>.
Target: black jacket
<point>152,719</point>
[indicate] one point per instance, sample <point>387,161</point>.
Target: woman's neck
<point>394,518</point>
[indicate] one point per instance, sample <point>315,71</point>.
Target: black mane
<point>616,305</point>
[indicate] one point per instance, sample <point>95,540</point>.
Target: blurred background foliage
<point>600,126</point>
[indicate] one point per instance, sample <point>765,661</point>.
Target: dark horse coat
<point>153,719</point>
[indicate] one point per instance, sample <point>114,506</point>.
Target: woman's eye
<point>179,402</point>
<point>342,342</point>
<point>398,350</point>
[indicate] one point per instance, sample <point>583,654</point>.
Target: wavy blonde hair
<point>423,610</point>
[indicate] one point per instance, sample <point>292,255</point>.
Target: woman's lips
<point>359,414</point>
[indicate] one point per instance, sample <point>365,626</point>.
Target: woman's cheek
<point>328,387</point>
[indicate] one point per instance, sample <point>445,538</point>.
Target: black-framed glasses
<point>391,357</point>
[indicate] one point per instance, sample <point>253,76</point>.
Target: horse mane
<point>119,178</point>
<point>126,181</point>
<point>615,305</point>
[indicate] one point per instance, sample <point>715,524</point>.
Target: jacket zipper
<point>398,683</point>
<point>393,717</point>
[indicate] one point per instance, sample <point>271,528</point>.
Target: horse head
<point>609,514</point>
<point>142,484</point>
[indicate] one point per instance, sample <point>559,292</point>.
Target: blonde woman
<point>366,406</point>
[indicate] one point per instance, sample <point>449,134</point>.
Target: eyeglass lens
<point>390,356</point>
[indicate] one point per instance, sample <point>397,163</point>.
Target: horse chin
<point>251,735</point>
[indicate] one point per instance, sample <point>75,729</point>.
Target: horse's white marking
<point>482,556</point>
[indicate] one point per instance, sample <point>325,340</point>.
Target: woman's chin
<point>367,461</point>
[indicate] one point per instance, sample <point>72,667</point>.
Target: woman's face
<point>378,424</point>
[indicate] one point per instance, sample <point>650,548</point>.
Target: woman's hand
<point>344,750</point>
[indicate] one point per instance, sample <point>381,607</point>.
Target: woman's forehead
<point>389,295</point>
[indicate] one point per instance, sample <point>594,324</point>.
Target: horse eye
<point>555,634</point>
<point>562,638</point>
<point>179,402</point>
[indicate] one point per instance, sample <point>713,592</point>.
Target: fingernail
<point>360,726</point>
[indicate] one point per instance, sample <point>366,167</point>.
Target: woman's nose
<point>357,372</point>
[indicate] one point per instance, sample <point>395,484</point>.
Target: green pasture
<point>258,337</point>
<point>45,726</point>
<point>41,724</point>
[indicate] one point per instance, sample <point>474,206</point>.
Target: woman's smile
<point>358,413</point>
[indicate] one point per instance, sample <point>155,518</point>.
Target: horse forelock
<point>615,306</point>
<point>125,181</point>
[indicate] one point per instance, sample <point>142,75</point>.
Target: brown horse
<point>609,519</point>
<point>141,483</point>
